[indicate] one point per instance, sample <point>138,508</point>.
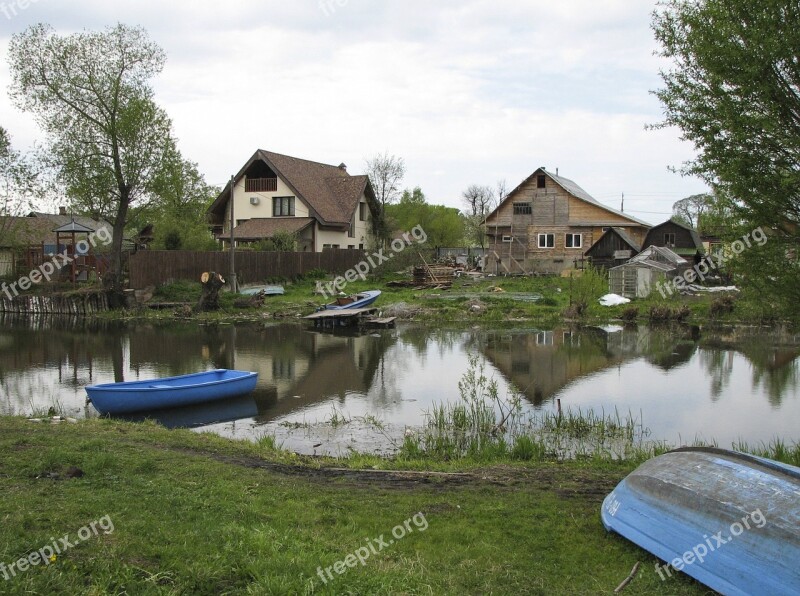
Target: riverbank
<point>194,513</point>
<point>543,301</point>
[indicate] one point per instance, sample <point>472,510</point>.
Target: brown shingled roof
<point>265,227</point>
<point>330,192</point>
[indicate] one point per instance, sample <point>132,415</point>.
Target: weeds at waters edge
<point>483,426</point>
<point>776,449</point>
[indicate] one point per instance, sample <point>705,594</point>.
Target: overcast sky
<point>466,92</point>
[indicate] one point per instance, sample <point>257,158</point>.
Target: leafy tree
<point>386,174</point>
<point>479,201</point>
<point>183,197</point>
<point>280,241</point>
<point>172,240</point>
<point>18,184</point>
<point>443,225</point>
<point>91,95</point>
<point>734,91</point>
<point>691,209</point>
<point>733,88</point>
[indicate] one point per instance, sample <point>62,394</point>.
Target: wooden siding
<point>683,237</point>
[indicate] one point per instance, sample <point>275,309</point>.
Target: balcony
<point>260,184</point>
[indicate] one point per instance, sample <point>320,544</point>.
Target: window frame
<point>523,208</point>
<point>569,240</point>
<point>546,235</point>
<point>281,204</point>
<point>667,243</point>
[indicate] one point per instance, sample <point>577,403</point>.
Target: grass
<point>196,514</point>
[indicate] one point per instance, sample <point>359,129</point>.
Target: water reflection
<point>685,382</point>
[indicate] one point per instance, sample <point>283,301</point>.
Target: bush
<point>722,305</point>
<point>630,314</point>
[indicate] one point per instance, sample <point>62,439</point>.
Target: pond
<point>328,393</point>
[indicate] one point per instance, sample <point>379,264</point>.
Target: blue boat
<point>170,392</point>
<point>728,519</point>
<point>265,290</point>
<point>360,300</point>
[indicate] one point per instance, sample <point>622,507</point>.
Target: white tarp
<point>613,300</point>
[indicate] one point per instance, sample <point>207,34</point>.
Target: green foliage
<point>172,240</point>
<point>90,93</point>
<point>281,241</point>
<point>732,89</point>
<point>443,225</point>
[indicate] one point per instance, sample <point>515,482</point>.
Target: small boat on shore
<point>265,290</point>
<point>728,519</point>
<point>360,300</point>
<point>170,392</point>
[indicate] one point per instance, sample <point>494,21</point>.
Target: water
<point>325,393</point>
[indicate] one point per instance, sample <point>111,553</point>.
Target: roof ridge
<point>319,163</point>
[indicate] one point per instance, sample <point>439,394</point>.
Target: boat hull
<point>360,300</point>
<point>727,519</point>
<point>170,392</point>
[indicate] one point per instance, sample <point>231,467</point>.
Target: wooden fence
<point>155,267</point>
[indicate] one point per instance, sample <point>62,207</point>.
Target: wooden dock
<point>347,317</point>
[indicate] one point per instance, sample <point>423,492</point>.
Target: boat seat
<point>344,301</point>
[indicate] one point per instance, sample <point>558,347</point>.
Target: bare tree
<point>502,190</point>
<point>386,174</point>
<point>479,201</point>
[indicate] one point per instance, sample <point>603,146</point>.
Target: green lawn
<point>198,514</point>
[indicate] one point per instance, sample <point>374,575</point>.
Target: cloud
<point>466,91</point>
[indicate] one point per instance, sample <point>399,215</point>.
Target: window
<point>522,209</point>
<point>547,240</point>
<point>540,181</point>
<point>351,231</point>
<point>361,246</point>
<point>508,239</point>
<point>282,206</point>
<point>351,246</point>
<point>669,239</point>
<point>572,241</point>
<point>362,211</point>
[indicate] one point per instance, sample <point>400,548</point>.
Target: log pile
<point>425,274</point>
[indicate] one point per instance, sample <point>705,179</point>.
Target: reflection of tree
<point>719,364</point>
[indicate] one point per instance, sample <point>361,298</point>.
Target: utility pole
<point>232,274</point>
<point>622,207</point>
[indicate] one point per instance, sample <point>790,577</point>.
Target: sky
<point>466,92</point>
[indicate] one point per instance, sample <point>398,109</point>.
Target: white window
<point>547,240</point>
<point>508,239</point>
<point>573,241</point>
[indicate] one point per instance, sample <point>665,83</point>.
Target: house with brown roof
<point>546,223</point>
<point>321,204</point>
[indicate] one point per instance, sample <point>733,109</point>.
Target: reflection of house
<point>640,275</point>
<point>321,205</point>
<point>614,247</point>
<point>546,223</point>
<point>680,239</point>
<point>541,364</point>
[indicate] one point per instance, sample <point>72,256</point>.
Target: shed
<point>681,239</point>
<point>640,275</point>
<point>614,247</point>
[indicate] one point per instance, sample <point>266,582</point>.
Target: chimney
<point>342,167</point>
<point>62,210</point>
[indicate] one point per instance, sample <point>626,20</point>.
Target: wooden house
<point>677,237</point>
<point>321,205</point>
<point>546,223</point>
<point>613,248</point>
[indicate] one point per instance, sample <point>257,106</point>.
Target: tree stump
<point>212,283</point>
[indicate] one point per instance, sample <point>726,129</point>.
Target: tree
<point>90,93</point>
<point>479,201</point>
<point>18,184</point>
<point>182,197</point>
<point>443,225</point>
<point>691,209</point>
<point>734,91</point>
<point>386,174</point>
